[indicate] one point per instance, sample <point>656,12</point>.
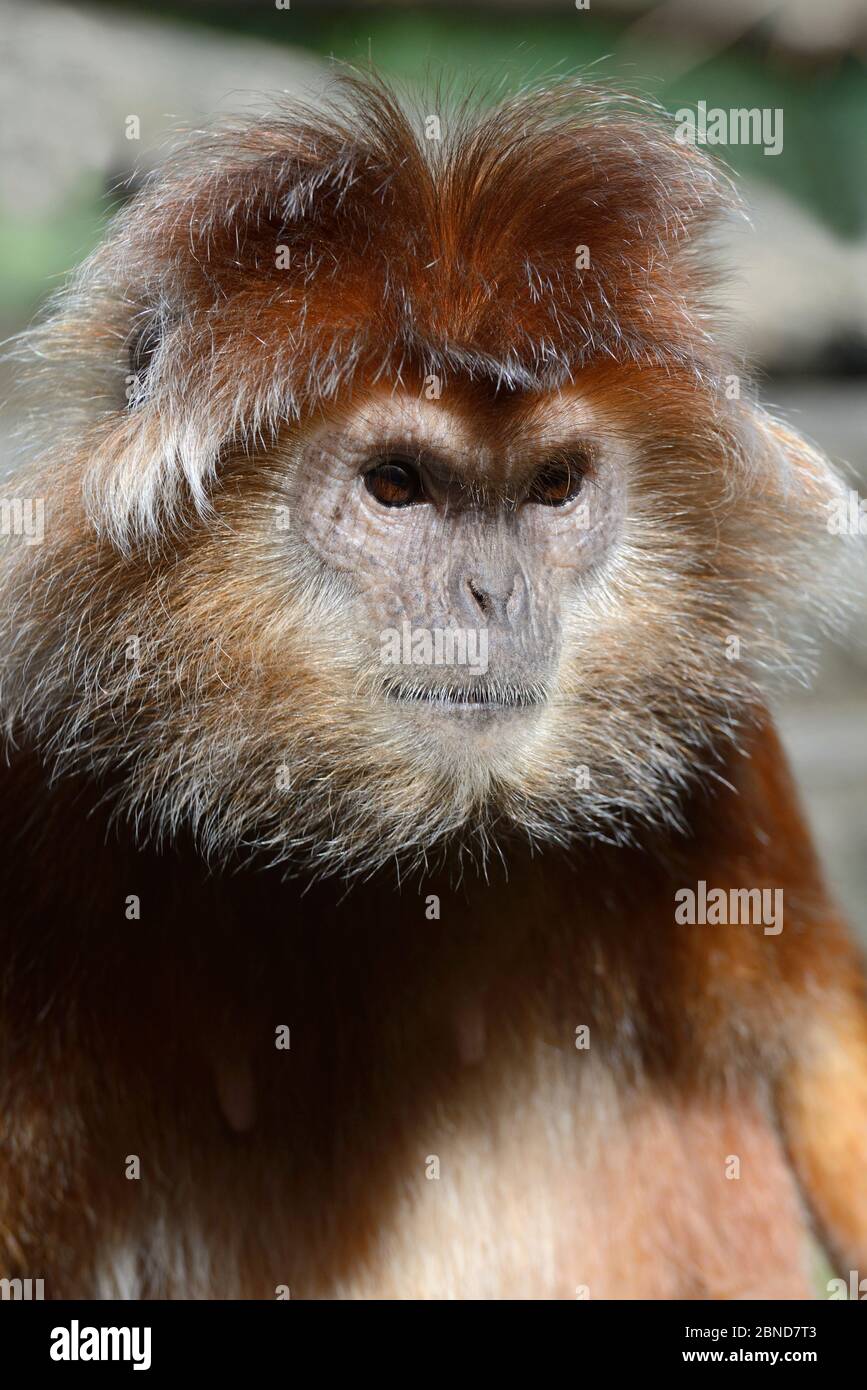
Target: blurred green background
<point>72,77</point>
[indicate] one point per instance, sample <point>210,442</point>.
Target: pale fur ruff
<point>244,661</point>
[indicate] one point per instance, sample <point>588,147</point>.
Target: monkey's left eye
<point>393,484</point>
<point>555,484</point>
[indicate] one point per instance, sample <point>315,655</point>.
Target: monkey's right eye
<point>393,484</point>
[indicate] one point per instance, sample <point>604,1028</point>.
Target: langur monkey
<point>404,891</point>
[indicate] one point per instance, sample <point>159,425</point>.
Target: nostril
<point>497,599</point>
<point>482,599</point>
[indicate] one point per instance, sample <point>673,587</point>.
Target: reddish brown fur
<point>384,218</point>
<point>113,1033</point>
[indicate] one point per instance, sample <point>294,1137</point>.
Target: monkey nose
<point>496,598</point>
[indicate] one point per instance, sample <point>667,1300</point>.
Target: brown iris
<point>556,483</point>
<point>393,484</point>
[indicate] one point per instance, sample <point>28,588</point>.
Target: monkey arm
<point>823,1111</point>
<point>815,970</point>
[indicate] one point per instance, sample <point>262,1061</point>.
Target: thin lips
<point>460,700</point>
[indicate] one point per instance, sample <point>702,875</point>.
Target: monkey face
<point>464,536</point>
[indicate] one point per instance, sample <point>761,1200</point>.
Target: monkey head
<point>403,492</point>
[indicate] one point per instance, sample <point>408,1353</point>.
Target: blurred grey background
<point>72,76</point>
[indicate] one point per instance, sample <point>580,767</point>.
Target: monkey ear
<point>798,471</point>
<point>807,562</point>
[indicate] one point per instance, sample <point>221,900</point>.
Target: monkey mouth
<point>474,699</point>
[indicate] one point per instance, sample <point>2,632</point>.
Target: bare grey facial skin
<point>442,521</point>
